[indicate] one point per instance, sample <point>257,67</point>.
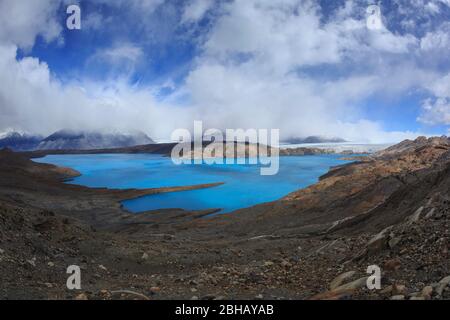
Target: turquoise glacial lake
<point>243,185</point>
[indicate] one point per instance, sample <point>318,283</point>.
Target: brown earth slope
<point>390,209</point>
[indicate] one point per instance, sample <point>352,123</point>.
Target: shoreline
<point>202,186</point>
<point>164,149</point>
<point>292,248</point>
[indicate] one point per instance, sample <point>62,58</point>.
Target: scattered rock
<point>268,263</point>
<point>442,285</point>
<point>341,278</point>
<point>415,294</point>
<point>427,292</point>
<point>394,242</point>
<point>415,216</point>
<point>337,294</point>
<point>193,282</point>
<point>423,261</point>
<point>343,291</point>
<point>81,296</point>
<point>430,214</point>
<point>124,293</point>
<point>378,242</point>
<point>357,284</point>
<point>387,290</point>
<point>32,261</point>
<point>399,289</point>
<point>392,264</point>
<point>105,293</point>
<point>286,264</point>
<point>155,289</point>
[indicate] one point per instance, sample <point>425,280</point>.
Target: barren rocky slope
<point>390,209</point>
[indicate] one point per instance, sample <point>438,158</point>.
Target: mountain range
<point>73,140</point>
<point>19,141</point>
<point>313,139</point>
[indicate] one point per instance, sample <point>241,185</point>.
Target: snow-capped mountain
<point>19,141</point>
<point>85,140</point>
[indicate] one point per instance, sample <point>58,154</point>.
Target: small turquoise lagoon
<point>243,185</point>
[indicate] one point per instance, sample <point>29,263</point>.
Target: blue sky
<point>167,48</point>
<point>306,67</point>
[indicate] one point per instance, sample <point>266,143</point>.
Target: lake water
<point>244,186</point>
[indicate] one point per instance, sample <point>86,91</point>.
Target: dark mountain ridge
<point>19,141</point>
<point>313,139</point>
<point>74,140</point>
<point>85,140</point>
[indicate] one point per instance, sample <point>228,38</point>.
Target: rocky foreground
<point>390,210</point>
